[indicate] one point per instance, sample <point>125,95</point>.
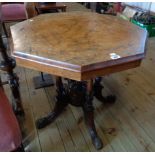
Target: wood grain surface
<point>73,45</point>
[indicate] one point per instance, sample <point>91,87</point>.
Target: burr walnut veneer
<point>80,46</point>
<point>77,45</point>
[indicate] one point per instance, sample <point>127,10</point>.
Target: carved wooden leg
<point>62,101</point>
<point>5,29</point>
<point>98,92</point>
<point>8,66</point>
<point>89,116</point>
<point>14,85</point>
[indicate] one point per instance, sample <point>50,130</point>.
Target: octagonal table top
<point>78,45</point>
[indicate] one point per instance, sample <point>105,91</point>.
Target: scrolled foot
<point>43,122</point>
<point>97,143</point>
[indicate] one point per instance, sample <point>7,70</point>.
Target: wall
<point>144,5</point>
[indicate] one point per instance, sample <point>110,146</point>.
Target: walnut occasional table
<point>80,47</point>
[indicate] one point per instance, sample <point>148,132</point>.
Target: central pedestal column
<point>78,94</point>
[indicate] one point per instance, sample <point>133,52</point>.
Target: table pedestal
<point>78,94</point>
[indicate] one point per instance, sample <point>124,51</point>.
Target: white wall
<point>153,7</point>
<point>144,5</point>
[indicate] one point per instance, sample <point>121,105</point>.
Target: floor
<point>127,125</point>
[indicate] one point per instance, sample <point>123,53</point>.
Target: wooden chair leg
<point>7,65</point>
<point>4,28</point>
<point>14,85</point>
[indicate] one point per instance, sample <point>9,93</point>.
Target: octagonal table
<point>80,47</point>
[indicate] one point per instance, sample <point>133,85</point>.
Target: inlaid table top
<point>78,45</point>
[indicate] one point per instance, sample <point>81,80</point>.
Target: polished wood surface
<point>73,45</point>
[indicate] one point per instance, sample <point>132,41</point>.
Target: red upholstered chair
<point>12,12</point>
<point>10,134</point>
